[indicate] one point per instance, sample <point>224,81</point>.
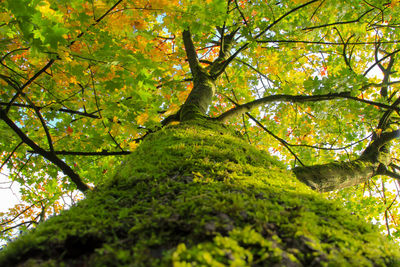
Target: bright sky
<point>9,192</point>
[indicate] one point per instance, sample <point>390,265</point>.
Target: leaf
<point>133,146</point>
<point>142,118</point>
<point>69,130</point>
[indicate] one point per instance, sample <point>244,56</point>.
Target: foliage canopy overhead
<point>82,82</point>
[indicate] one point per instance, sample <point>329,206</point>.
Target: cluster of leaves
<point>87,80</point>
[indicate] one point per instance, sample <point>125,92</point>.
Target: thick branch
<point>190,52</point>
<point>391,174</point>
<point>340,22</point>
<point>34,107</point>
<point>75,178</point>
<point>385,119</point>
<point>83,153</point>
<point>225,56</point>
<point>377,62</point>
<point>51,61</point>
<point>238,110</point>
<point>283,16</point>
<point>65,110</point>
<point>336,175</point>
<point>203,90</point>
<point>377,151</point>
<point>225,64</point>
<point>325,43</point>
<point>385,71</point>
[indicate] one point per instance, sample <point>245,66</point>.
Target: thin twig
<point>283,142</point>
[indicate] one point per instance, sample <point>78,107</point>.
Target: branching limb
<point>385,119</point>
<point>37,111</point>
<point>238,110</point>
<point>229,60</point>
<point>241,13</point>
<point>390,174</point>
<point>385,71</point>
<point>225,56</point>
<point>331,148</point>
<point>83,153</point>
<point>191,52</point>
<point>380,60</point>
<point>340,22</point>
<point>284,16</point>
<point>16,216</point>
<point>51,61</point>
<point>245,46</point>
<point>64,110</point>
<point>384,138</point>
<point>283,142</point>
<point>75,178</point>
<point>344,53</point>
<point>325,43</point>
<point>18,225</point>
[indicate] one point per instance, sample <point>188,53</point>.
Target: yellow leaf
<point>2,82</point>
<point>299,1</point>
<point>73,80</point>
<point>47,11</point>
<point>173,108</point>
<point>133,145</point>
<point>142,118</point>
<point>44,7</point>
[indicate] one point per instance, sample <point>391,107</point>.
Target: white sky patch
<point>9,191</point>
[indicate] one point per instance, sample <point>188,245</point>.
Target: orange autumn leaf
<point>69,130</point>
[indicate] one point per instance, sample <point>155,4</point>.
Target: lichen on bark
<point>196,193</point>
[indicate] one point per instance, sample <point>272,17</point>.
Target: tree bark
<point>196,193</point>
<point>373,161</point>
<point>336,175</point>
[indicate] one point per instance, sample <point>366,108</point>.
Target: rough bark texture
<point>336,175</point>
<point>199,98</point>
<point>195,193</point>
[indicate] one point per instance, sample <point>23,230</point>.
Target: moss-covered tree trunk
<point>197,193</point>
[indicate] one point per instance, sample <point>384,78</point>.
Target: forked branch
<point>75,178</point>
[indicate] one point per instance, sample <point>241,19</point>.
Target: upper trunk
<point>199,98</point>
<point>199,194</point>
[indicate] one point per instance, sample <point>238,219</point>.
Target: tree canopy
<point>83,82</point>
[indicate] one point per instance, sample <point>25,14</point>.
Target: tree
<point>86,83</point>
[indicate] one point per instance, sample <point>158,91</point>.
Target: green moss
<point>196,193</point>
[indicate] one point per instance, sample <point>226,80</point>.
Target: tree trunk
<point>198,193</point>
